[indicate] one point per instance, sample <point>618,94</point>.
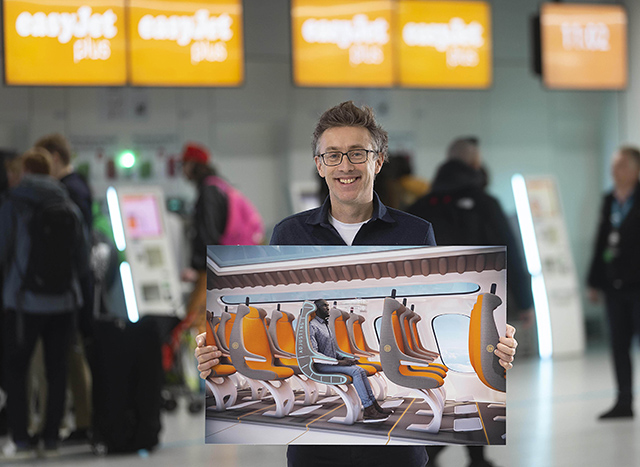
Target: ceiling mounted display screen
<point>342,43</point>
<point>64,42</point>
<point>584,46</point>
<point>186,43</point>
<point>444,44</point>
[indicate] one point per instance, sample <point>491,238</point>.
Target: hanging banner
<point>444,44</point>
<point>64,42</point>
<point>186,43</point>
<point>338,43</point>
<point>584,46</point>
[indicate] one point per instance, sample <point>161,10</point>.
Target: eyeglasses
<point>355,156</point>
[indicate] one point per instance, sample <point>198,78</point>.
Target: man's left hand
<point>506,349</point>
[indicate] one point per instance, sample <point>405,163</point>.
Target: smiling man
<point>349,149</point>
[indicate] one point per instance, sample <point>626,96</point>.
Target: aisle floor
<point>551,422</point>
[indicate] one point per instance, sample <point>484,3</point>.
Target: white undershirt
<point>347,231</point>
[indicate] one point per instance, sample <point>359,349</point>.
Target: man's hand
<point>593,295</point>
<point>506,349</point>
<point>208,356</point>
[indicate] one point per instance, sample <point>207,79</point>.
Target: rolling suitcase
<point>126,362</point>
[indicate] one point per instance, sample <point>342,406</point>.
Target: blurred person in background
<point>222,216</point>
<point>79,375</point>
<point>463,213</point>
<point>207,225</point>
<point>349,148</point>
<point>396,184</point>
<point>45,309</point>
<point>615,271</point>
<point>8,179</point>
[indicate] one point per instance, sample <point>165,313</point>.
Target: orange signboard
<point>64,42</point>
<point>186,43</point>
<point>444,44</point>
<point>342,43</point>
<point>584,46</point>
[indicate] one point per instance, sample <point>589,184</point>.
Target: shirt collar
<point>321,216</point>
<point>322,321</point>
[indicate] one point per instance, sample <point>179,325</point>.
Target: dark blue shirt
<point>387,226</point>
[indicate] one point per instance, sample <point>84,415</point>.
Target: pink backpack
<point>244,225</point>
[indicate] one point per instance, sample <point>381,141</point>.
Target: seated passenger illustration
<point>322,341</point>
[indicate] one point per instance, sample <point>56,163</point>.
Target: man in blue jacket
<point>349,149</point>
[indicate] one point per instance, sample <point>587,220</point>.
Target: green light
<point>127,160</point>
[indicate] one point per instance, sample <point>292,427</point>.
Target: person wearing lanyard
<point>615,270</point>
<point>349,148</point>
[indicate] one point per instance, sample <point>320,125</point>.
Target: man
<point>44,311</point>
<point>349,148</point>
<point>615,270</point>
<point>322,341</point>
<point>463,213</point>
<point>80,193</point>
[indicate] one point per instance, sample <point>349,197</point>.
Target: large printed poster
<point>423,322</point>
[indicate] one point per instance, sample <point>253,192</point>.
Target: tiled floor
<point>552,410</point>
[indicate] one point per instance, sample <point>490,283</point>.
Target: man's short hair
<point>348,114</point>
<point>633,152</point>
<point>463,149</point>
<point>56,142</point>
<point>37,161</point>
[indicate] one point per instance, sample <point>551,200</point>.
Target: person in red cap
<point>207,226</point>
<point>210,212</point>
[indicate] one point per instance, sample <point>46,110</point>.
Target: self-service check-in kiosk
<point>150,277</point>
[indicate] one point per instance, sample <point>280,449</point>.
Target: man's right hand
<point>593,295</point>
<point>208,356</point>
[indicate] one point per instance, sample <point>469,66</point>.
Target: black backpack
<point>55,232</point>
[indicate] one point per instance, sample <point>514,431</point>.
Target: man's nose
<point>345,163</point>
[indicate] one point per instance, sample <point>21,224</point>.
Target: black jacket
<point>209,220</point>
<point>462,213</point>
<point>623,272</point>
<point>80,193</point>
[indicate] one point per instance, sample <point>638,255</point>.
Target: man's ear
<point>378,163</point>
<point>319,165</point>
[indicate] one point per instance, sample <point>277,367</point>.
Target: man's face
<point>349,184</point>
<point>322,309</point>
<point>624,170</point>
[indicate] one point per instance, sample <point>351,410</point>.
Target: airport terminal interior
<point>248,80</point>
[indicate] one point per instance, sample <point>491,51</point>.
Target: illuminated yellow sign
<point>186,43</point>
<point>64,42</point>
<point>444,44</point>
<point>584,46</point>
<point>342,43</point>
